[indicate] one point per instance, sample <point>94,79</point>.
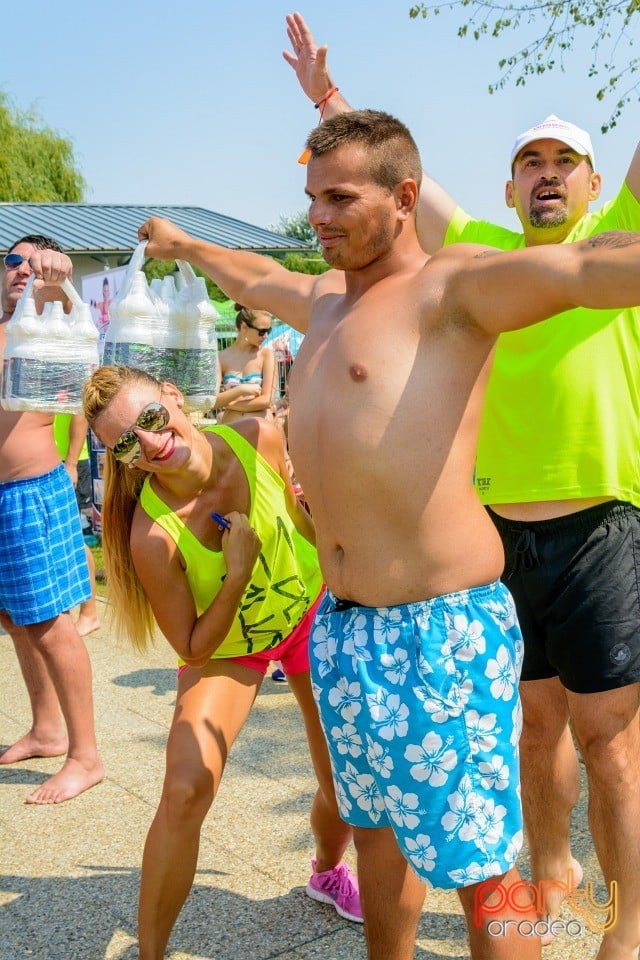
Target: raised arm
<point>249,278</point>
<point>309,63</point>
<point>507,291</point>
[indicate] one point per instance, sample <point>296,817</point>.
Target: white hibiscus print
<point>396,666</point>
<point>431,759</point>
<point>344,804</point>
<point>386,626</point>
<point>324,649</point>
<point>423,619</point>
<point>364,791</point>
<point>345,697</point>
<point>347,739</point>
<point>503,675</point>
<point>355,639</point>
<point>422,852</point>
<point>379,758</point>
<point>473,873</point>
<point>443,707</point>
<point>462,819</point>
<point>504,613</point>
<point>516,718</point>
<point>466,638</point>
<point>513,847</point>
<point>490,822</point>
<point>482,731</point>
<point>424,667</point>
<point>401,807</point>
<point>388,713</point>
<point>494,774</point>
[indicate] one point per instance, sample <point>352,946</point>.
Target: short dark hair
<point>394,154</point>
<point>39,242</point>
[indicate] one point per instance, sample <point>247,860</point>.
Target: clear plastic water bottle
<point>48,356</point>
<point>167,330</point>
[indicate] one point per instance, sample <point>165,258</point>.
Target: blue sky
<point>192,103</point>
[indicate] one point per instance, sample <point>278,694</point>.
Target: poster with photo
<point>99,290</point>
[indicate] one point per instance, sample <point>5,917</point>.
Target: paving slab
<point>69,873</point>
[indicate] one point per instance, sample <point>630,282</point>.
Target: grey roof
<point>112,228</point>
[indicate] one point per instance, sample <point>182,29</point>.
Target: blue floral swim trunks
<point>420,707</point>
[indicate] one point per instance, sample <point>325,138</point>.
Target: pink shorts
<point>293,652</point>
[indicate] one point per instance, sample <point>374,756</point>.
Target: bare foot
<point>72,780</point>
<point>555,894</point>
<point>86,624</point>
<point>30,746</point>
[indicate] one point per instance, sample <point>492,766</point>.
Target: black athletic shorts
<point>576,584</point>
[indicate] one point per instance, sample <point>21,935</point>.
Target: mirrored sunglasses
<point>153,417</point>
<point>13,260</point>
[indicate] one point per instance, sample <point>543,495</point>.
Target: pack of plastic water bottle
<point>167,329</point>
<point>49,355</point>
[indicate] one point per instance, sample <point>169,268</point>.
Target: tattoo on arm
<point>614,238</point>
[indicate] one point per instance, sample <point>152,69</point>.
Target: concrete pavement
<point>69,874</point>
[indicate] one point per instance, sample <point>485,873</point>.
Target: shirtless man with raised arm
<point>43,570</point>
<point>416,651</point>
<point>558,470</point>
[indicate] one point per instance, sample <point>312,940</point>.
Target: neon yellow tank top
<point>286,579</point>
<point>561,418</point>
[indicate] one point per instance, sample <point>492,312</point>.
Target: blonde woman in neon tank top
<point>228,600</point>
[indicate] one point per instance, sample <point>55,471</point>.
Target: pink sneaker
<point>338,887</point>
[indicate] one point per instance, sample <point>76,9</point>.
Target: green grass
<point>98,556</point>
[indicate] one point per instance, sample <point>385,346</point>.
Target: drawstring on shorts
<point>525,554</point>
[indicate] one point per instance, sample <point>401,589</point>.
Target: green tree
<point>298,227</point>
<point>37,164</point>
<point>557,23</point>
<point>160,268</point>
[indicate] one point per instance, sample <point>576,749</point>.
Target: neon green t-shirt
<point>561,419</point>
<point>286,579</point>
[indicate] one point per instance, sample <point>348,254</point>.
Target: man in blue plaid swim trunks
<point>43,570</point>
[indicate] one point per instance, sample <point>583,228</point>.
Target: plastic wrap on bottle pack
<point>48,356</point>
<point>168,330</point>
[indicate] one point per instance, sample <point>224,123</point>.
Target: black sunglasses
<point>153,417</point>
<point>261,331</point>
<point>13,260</point>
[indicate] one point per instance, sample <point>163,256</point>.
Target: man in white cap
<point>558,467</point>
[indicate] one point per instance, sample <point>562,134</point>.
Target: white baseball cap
<point>555,129</point>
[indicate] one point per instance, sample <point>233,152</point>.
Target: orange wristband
<point>321,102</point>
<point>305,156</point>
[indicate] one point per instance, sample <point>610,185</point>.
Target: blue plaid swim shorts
<point>420,707</point>
<point>43,567</point>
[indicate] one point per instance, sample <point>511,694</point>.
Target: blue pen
<point>221,520</point>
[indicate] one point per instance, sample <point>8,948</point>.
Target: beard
<point>542,216</point>
<point>375,247</point>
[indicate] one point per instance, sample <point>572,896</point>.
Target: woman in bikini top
<point>247,370</point>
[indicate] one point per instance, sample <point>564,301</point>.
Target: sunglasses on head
<point>261,331</point>
<point>13,260</point>
<point>153,417</point>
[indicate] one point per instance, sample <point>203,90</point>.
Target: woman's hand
<point>241,547</point>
